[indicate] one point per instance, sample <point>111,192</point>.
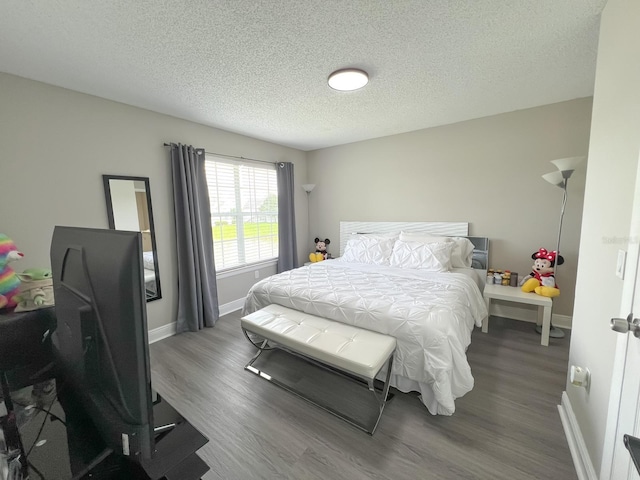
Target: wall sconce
<point>308,187</point>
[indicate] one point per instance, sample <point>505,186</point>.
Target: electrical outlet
<point>257,273</point>
<point>622,259</point>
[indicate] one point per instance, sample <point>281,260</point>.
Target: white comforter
<point>430,314</point>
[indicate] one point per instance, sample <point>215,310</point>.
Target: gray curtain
<point>197,292</point>
<point>287,246</point>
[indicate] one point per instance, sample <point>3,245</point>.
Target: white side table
<point>516,295</point>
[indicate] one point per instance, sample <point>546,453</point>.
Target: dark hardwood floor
<point>507,427</point>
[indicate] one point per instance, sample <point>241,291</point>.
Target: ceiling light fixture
<point>348,79</point>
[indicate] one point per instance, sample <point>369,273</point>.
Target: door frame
<point>612,437</point>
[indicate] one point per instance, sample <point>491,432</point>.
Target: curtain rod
<point>235,156</point>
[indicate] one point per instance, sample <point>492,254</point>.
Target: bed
<point>399,284</point>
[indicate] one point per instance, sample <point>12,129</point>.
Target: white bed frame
<point>451,229</point>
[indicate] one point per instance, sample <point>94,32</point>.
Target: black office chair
<point>25,349</point>
<point>25,359</point>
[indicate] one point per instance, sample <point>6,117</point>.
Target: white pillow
<point>369,248</point>
<point>462,253</point>
<point>435,257</point>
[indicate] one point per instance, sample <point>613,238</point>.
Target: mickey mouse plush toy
<point>321,250</point>
<point>542,280</point>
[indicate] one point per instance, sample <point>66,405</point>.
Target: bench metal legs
<point>381,394</point>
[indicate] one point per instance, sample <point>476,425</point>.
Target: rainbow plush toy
<point>9,281</point>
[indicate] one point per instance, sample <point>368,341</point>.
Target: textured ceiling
<point>259,68</point>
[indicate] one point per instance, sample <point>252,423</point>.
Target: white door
<point>629,412</point>
<point>629,346</point>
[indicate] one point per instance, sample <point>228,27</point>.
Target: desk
<point>516,295</point>
<point>36,405</point>
<point>24,347</point>
<point>68,444</point>
<point>64,444</point>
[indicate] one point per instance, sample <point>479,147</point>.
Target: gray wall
<point>609,196</point>
<point>485,171</point>
<point>56,144</point>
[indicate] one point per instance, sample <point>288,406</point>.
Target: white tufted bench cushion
<point>345,347</point>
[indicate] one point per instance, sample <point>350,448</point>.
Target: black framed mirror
<point>129,208</point>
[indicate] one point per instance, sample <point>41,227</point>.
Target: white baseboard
<point>526,313</point>
<point>562,321</point>
<point>497,309</point>
<point>164,331</point>
<point>231,306</point>
<point>579,453</point>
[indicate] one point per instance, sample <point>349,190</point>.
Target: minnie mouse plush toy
<point>542,280</point>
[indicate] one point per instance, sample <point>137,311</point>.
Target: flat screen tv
<point>101,340</point>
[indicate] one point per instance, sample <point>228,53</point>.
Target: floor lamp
<point>560,178</point>
<point>308,187</point>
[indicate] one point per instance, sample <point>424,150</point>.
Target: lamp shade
<point>554,178</point>
<point>567,165</point>
<point>308,187</point>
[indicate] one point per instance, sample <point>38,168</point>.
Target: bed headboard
<point>451,229</point>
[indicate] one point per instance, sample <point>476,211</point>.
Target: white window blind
<point>244,211</point>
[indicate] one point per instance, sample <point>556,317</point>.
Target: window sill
<point>232,272</point>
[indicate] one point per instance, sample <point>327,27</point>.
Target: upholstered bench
<point>355,351</point>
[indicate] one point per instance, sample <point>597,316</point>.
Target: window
<point>244,211</point>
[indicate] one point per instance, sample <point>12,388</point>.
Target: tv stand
<point>174,456</point>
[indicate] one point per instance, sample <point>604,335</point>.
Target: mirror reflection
<point>129,208</point>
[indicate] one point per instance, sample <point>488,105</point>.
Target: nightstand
<point>309,263</point>
<point>516,295</point>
